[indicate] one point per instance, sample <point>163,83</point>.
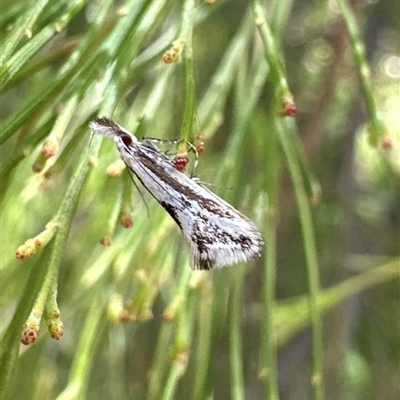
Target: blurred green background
<point>323,187</point>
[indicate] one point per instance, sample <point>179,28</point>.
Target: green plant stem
<point>63,221</point>
<point>120,45</point>
<point>243,111</point>
<point>236,356</point>
<point>21,26</point>
<point>65,116</point>
<point>378,275</point>
<point>186,38</point>
<point>172,382</point>
<point>268,359</point>
<point>201,386</point>
<point>180,297</point>
<point>181,347</point>
<point>312,184</point>
<point>19,59</point>
<point>49,283</point>
<point>48,273</point>
<point>51,306</point>
<point>80,57</point>
<point>270,51</point>
<point>184,316</point>
<point>311,259</point>
<point>10,14</point>
<point>269,346</point>
<point>153,102</point>
<point>113,218</point>
<point>64,215</point>
<point>20,153</point>
<point>157,371</point>
<point>281,11</point>
<point>292,317</point>
<point>85,352</point>
<point>9,344</point>
<point>41,62</point>
<point>7,365</point>
<point>43,278</point>
<point>213,101</point>
<point>378,129</point>
<point>281,89</point>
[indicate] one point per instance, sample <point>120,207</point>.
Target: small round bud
<point>180,161</point>
<point>56,330</point>
<point>289,108</point>
<point>28,249</point>
<point>49,149</point>
<point>38,165</point>
<point>29,334</point>
<point>126,220</point>
<point>169,56</point>
<point>387,143</point>
<point>20,253</point>
<point>115,307</point>
<point>199,143</point>
<point>174,53</point>
<point>115,169</point>
<point>38,243</point>
<point>168,316</point>
<point>105,241</point>
<point>171,311</point>
<point>126,316</point>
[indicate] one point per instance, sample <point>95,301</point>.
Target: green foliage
<point>131,318</point>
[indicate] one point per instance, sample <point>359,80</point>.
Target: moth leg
<point>161,141</point>
<point>151,142</point>
<point>196,159</point>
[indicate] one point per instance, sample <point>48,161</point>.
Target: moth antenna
<point>140,192</point>
<point>91,138</point>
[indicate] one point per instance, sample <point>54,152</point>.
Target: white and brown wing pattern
<point>217,234</point>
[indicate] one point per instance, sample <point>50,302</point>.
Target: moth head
<point>107,127</point>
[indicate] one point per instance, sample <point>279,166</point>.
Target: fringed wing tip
<point>206,264</point>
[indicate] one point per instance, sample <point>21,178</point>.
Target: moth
<point>216,233</point>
